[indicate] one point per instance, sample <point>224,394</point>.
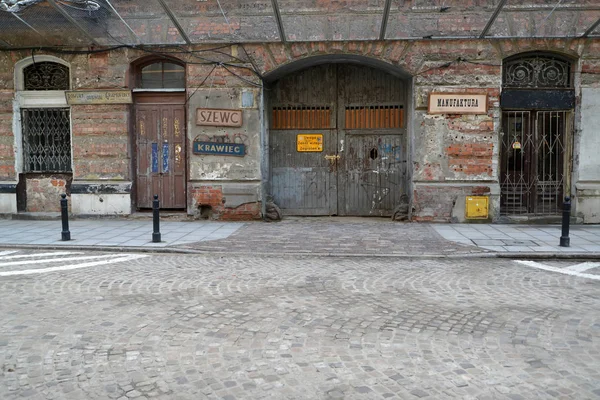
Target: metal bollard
<point>64,214</point>
<point>565,241</point>
<point>155,220</point>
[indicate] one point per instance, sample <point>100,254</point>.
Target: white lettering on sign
<point>215,117</point>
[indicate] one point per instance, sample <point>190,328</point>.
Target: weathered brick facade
<point>451,155</point>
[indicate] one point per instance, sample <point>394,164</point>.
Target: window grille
<point>46,76</point>
<point>46,139</point>
<point>539,71</point>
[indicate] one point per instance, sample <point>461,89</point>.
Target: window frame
<point>28,99</point>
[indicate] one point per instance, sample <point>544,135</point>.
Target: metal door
<point>361,168</point>
<point>160,154</point>
<point>534,171</point>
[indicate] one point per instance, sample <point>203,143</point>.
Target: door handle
<point>332,157</point>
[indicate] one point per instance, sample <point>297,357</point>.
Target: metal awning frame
<point>501,6</point>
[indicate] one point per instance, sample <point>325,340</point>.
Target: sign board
<point>218,117</point>
<point>310,142</point>
<point>219,149</point>
<point>98,96</point>
<point>457,103</point>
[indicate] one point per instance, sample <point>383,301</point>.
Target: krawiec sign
<point>98,97</point>
<point>457,103</point>
<point>218,117</point>
<point>220,149</point>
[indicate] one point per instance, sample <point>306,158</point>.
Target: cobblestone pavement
<point>338,236</point>
<point>240,327</point>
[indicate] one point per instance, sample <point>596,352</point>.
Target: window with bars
<point>46,140</point>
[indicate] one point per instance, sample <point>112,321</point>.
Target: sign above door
<point>218,117</point>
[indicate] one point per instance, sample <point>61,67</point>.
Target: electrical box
<point>476,207</point>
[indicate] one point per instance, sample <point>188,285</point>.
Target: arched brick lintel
<point>334,59</point>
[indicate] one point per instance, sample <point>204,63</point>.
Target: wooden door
<point>361,169</point>
<point>372,175</point>
<point>304,182</point>
<point>161,163</point>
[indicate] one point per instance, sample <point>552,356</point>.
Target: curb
<point>177,250</point>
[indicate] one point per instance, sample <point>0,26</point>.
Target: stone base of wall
<point>101,204</point>
<point>101,198</point>
<point>227,201</point>
<point>8,203</point>
<point>446,202</point>
<point>587,199</point>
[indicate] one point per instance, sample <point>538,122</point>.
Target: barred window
<point>46,140</point>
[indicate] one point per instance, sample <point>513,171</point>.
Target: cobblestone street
<point>241,327</point>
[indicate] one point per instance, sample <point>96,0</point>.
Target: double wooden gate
<point>358,114</point>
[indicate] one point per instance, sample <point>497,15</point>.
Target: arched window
<point>537,71</point>
<point>161,75</point>
<point>46,76</point>
<point>44,115</point>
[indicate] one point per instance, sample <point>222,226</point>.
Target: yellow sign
<point>98,96</point>
<point>312,142</point>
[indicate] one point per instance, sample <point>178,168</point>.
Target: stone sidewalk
<point>316,235</point>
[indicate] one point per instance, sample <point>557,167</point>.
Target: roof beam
<point>278,19</point>
<point>492,19</point>
<point>384,19</point>
<point>591,29</point>
<point>175,21</point>
<point>73,22</point>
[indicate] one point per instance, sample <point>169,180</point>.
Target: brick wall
<point>101,142</point>
<point>208,202</point>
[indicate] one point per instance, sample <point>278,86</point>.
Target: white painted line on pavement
<point>54,260</point>
<point>3,253</point>
<point>559,270</point>
<point>56,253</point>
<point>583,266</point>
<point>122,258</point>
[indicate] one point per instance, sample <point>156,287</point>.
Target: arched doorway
<point>338,141</point>
<point>537,124</point>
<point>159,97</point>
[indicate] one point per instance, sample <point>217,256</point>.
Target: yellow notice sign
<point>312,142</point>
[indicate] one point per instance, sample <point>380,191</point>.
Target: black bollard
<point>564,237</point>
<point>64,214</point>
<point>155,220</point>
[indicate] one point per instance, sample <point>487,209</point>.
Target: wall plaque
<point>218,117</point>
<point>219,149</point>
<point>98,96</point>
<point>457,103</point>
<point>311,142</point>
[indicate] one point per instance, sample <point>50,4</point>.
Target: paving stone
<point>299,327</point>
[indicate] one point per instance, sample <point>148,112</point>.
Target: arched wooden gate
<point>338,141</point>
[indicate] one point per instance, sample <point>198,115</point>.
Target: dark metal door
<point>534,174</point>
<point>361,169</point>
<point>161,161</point>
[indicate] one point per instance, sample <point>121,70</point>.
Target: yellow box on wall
<point>476,207</point>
